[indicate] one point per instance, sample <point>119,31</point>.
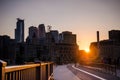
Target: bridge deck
<point>63,73</point>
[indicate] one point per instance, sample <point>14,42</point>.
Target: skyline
<point>78,16</point>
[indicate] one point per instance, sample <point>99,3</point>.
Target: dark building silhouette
<point>7,49</point>
<point>19,31</point>
<point>108,50</point>
<point>67,37</point>
<point>36,43</point>
<point>62,48</point>
<point>33,32</point>
<point>25,53</point>
<point>33,36</point>
<point>41,31</point>
<point>55,35</point>
<point>67,47</point>
<point>52,36</point>
<point>39,45</point>
<point>114,35</point>
<point>66,53</point>
<point>41,34</point>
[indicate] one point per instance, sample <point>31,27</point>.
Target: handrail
<point>20,67</point>
<point>35,71</point>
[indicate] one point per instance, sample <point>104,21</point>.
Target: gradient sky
<point>82,17</point>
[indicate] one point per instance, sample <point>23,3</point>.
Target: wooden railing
<point>37,71</point>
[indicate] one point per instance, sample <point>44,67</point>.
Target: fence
<point>37,71</point>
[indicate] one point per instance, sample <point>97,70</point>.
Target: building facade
<point>19,31</point>
<point>108,50</point>
<point>67,47</point>
<point>66,53</point>
<point>67,37</point>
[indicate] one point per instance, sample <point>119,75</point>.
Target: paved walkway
<point>63,73</point>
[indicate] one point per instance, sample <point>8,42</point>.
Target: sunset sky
<point>82,17</point>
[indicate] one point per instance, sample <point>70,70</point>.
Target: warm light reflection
<point>87,50</point>
<point>88,56</point>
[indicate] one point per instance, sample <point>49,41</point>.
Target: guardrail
<point>37,71</point>
<point>107,68</point>
<point>104,67</point>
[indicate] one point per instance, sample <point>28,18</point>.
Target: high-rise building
<point>55,35</point>
<point>33,32</point>
<point>33,35</point>
<point>19,31</point>
<point>41,29</point>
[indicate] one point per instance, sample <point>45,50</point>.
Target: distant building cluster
<point>39,45</point>
<point>108,50</point>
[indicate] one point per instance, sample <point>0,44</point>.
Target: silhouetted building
<point>50,44</point>
<point>25,53</point>
<point>62,47</point>
<point>55,35</point>
<point>30,52</point>
<point>19,31</point>
<point>41,29</point>
<point>33,36</point>
<point>52,36</point>
<point>33,32</point>
<point>109,50</point>
<point>65,53</point>
<point>67,37</point>
<point>66,49</point>
<point>94,48</point>
<point>114,35</point>
<point>41,34</point>
<point>7,49</point>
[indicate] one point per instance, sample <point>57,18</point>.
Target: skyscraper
<point>41,29</point>
<point>33,35</point>
<point>19,31</point>
<point>33,32</point>
<point>55,35</point>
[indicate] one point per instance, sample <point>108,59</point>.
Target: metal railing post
<point>2,69</point>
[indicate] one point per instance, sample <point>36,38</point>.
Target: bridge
<point>46,71</point>
<point>35,71</point>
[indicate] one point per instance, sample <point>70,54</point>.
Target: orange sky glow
<point>81,17</point>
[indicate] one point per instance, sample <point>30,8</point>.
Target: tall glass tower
<point>42,32</point>
<point>19,31</point>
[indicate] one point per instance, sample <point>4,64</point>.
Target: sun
<point>87,50</point>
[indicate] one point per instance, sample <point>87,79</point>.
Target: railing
<point>104,67</point>
<point>37,71</point>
